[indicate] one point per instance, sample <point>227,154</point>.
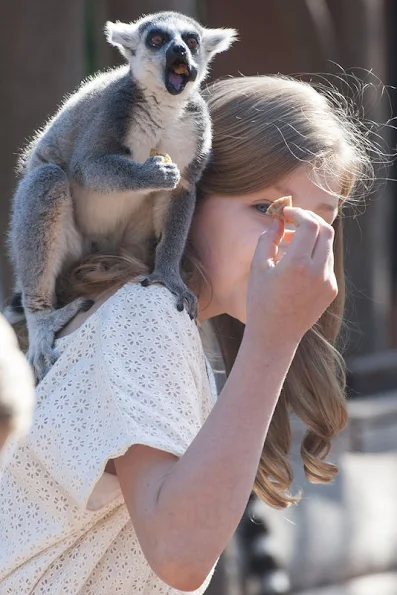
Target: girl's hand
<point>287,296</point>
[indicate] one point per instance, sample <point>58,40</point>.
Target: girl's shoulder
<point>151,311</point>
<point>138,311</point>
<point>154,305</point>
<point>152,298</point>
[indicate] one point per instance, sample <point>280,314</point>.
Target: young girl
<point>134,476</point>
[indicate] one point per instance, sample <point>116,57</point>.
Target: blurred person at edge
<point>16,388</point>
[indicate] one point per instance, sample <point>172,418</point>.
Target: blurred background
<point>341,539</point>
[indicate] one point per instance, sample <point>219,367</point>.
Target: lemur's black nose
<point>179,50</point>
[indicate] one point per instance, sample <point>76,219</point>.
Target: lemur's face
<point>169,51</point>
<point>173,57</point>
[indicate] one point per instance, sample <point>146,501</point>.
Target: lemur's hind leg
<point>43,236</point>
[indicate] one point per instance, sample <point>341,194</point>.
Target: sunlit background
<point>341,539</point>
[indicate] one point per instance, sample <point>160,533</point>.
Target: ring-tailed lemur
<point>88,177</point>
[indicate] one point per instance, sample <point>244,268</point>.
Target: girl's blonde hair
<point>264,128</point>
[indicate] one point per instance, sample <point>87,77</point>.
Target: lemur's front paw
<point>173,282</point>
<point>42,327</point>
<point>161,174</point>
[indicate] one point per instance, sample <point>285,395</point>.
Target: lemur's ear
<point>218,40</point>
<point>122,35</point>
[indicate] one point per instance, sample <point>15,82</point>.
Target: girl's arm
<point>185,510</point>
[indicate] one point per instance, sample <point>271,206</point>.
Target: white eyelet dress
<point>134,373</point>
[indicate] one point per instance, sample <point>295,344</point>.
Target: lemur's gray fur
<point>89,183</point>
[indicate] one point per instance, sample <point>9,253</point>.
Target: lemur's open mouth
<point>177,74</point>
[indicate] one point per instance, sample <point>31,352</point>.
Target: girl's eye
<point>262,207</point>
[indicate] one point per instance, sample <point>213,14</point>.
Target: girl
<point>134,476</point>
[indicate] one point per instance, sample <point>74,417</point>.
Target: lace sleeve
<point>153,365</point>
<point>141,380</point>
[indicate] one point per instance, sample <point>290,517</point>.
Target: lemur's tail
<point>15,313</point>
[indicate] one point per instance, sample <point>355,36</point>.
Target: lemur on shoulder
<point>97,172</point>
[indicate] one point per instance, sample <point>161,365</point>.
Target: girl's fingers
<point>305,237</point>
<point>283,246</point>
<point>323,246</point>
<point>323,251</point>
<point>269,242</point>
<point>288,235</point>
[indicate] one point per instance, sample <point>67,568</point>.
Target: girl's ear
<point>124,36</point>
<point>218,40</point>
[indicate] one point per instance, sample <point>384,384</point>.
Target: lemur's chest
<point>177,138</point>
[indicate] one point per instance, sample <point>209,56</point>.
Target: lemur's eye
<point>192,42</point>
<point>157,39</point>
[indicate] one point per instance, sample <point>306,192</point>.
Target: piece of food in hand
<point>165,156</point>
<point>277,207</point>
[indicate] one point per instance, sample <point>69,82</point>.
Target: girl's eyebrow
<point>284,191</point>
